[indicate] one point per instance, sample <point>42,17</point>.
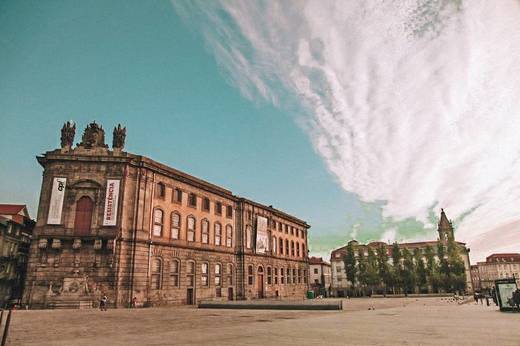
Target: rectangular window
<point>229,211</point>
<point>315,270</point>
<point>205,231</point>
<point>305,276</point>
<point>218,208</point>
<point>269,276</point>
<point>299,276</point>
<point>177,195</point>
<point>282,276</point>
<point>192,200</point>
<point>276,276</point>
<point>205,204</point>
<point>161,190</point>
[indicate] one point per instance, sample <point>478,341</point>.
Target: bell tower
<point>445,228</point>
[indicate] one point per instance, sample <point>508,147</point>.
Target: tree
<point>362,271</point>
<point>383,268</point>
<point>444,268</point>
<point>372,274</point>
<point>396,267</point>
<point>432,269</point>
<point>350,265</point>
<point>408,272</point>
<point>456,266</point>
<point>420,270</point>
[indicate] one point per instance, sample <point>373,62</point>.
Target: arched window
<point>157,222</point>
<point>248,237</point>
<point>297,249</point>
<point>190,227</point>
<point>205,231</point>
<point>269,276</point>
<point>175,225</point>
<point>218,234</point>
<point>83,218</point>
<point>156,273</point>
<point>190,273</point>
<point>218,274</point>
<point>229,236</point>
<point>280,250</point>
<point>287,247</point>
<point>204,274</point>
<point>175,269</point>
<point>218,280</point>
<point>230,273</point>
<point>274,245</point>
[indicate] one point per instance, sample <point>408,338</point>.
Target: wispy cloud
<point>414,103</point>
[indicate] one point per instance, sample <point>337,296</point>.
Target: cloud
<point>414,103</point>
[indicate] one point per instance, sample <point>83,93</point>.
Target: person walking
<point>103,303</point>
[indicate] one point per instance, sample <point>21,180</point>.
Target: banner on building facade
<point>111,200</point>
<point>262,242</point>
<point>56,202</point>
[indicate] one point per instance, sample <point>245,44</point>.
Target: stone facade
<point>137,230</point>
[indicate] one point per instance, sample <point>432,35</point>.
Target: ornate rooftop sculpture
<point>68,131</point>
<point>93,137</point>
<point>118,140</point>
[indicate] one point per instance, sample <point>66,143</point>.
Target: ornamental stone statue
<point>93,137</point>
<point>118,140</point>
<point>68,131</point>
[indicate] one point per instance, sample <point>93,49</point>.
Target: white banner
<point>262,242</point>
<point>111,199</point>
<point>56,202</point>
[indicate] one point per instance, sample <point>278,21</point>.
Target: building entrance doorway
<point>190,296</point>
<point>260,282</point>
<point>230,293</point>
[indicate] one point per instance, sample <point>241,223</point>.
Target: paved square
<point>393,321</point>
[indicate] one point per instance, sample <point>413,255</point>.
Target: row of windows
<point>159,274</point>
<point>192,200</point>
<point>274,225</point>
<point>191,229</point>
<point>284,276</point>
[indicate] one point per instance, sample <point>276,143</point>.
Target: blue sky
<point>136,63</point>
<point>312,107</point>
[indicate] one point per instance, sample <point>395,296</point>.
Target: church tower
<point>445,228</point>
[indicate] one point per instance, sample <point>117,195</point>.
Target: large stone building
<point>111,222</point>
<point>340,284</point>
<point>16,227</point>
<point>497,266</point>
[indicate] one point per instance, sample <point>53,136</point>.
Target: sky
<point>362,118</point>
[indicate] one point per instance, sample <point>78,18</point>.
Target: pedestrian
<point>103,303</point>
<point>475,296</point>
<point>134,302</point>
